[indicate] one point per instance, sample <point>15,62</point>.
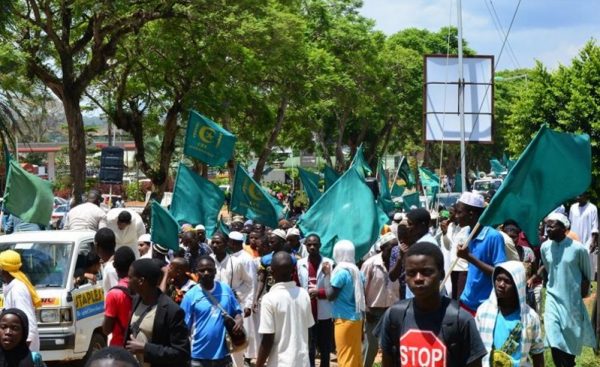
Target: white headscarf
<point>343,254</point>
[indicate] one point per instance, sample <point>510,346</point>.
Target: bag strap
<point>397,317</point>
<point>215,303</point>
<point>135,327</point>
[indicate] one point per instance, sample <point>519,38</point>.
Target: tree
<point>66,44</point>
<point>566,99</point>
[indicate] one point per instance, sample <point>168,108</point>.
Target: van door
<point>88,304</point>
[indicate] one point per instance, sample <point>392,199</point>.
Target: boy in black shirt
<point>428,329</point>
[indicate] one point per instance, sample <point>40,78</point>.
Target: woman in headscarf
<point>14,351</point>
<point>346,292</point>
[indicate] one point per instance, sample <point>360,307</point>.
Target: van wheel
<point>97,342</point>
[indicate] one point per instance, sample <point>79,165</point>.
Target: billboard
<point>440,92</point>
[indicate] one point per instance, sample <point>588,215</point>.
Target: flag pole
<point>397,170</point>
<point>453,265</point>
<point>461,100</point>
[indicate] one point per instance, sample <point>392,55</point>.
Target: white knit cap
<point>236,236</point>
<point>293,232</point>
<point>200,227</point>
<point>279,233</point>
<point>144,238</point>
<point>561,218</point>
<point>472,199</point>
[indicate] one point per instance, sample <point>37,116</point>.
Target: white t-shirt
<point>286,312</point>
<point>86,216</point>
<point>16,295</point>
<point>128,236</point>
<point>109,276</point>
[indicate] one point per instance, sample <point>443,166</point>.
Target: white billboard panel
<point>440,108</point>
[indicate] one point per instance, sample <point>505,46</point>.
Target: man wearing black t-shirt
<point>428,330</point>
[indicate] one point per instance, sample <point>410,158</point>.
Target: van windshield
<point>45,263</point>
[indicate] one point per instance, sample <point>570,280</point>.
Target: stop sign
<point>422,348</point>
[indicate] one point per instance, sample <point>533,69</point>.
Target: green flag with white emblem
<point>249,199</point>
<point>207,141</point>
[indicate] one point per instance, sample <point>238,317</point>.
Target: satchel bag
<point>236,341</point>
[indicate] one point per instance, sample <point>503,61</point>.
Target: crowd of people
<point>435,289</point>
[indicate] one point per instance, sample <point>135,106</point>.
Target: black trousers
<point>320,336</point>
<point>562,359</point>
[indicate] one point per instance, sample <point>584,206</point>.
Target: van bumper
<point>58,341</point>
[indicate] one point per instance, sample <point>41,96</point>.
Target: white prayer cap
<point>561,218</point>
<point>398,217</point>
<point>472,199</point>
<point>236,236</point>
<point>144,238</point>
<point>293,232</point>
<point>279,233</point>
<point>200,227</point>
<point>382,240</point>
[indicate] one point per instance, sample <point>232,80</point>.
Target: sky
<point>551,31</point>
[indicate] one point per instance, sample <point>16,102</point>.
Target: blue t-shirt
<point>489,248</point>
<point>502,330</point>
<point>344,306</point>
<point>205,322</point>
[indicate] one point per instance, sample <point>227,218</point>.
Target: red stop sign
<point>422,348</point>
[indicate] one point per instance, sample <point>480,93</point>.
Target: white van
<point>70,319</point>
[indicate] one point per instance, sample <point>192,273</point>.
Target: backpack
<point>450,330</point>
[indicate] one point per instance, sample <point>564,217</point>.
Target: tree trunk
<point>386,135</point>
<point>167,148</point>
<point>77,149</point>
<point>339,152</point>
<point>264,154</point>
<point>326,153</point>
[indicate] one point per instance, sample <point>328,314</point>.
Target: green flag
<point>497,167</point>
<point>410,200</point>
<point>553,168</point>
<point>397,190</point>
<point>27,196</point>
<point>385,197</point>
<point>164,229</point>
<point>207,141</point>
<point>223,228</point>
<point>458,182</point>
<point>347,211</point>
<point>249,199</point>
<point>428,178</point>
<point>360,163</point>
<point>331,176</point>
<point>196,200</point>
<point>310,184</point>
<point>405,176</point>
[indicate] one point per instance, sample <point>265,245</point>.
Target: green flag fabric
<point>164,229</point>
<point>497,167</point>
<point>410,200</point>
<point>249,199</point>
<point>223,228</point>
<point>310,184</point>
<point>360,163</point>
<point>428,178</point>
<point>405,176</point>
<point>458,182</point>
<point>397,190</point>
<point>554,167</point>
<point>196,200</point>
<point>207,141</point>
<point>347,211</point>
<point>331,176</point>
<point>27,196</point>
<point>385,197</point>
